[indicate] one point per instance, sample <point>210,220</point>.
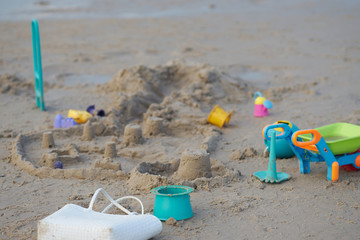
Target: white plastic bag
<point>78,223</point>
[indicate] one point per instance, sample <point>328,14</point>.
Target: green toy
<point>271,176</point>
<point>341,137</point>
<point>39,92</point>
<point>337,144</point>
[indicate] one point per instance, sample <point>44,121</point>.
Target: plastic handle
<point>285,122</point>
<point>113,202</point>
<point>257,94</point>
<point>310,144</point>
<point>286,130</point>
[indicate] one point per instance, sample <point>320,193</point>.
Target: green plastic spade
<point>271,176</point>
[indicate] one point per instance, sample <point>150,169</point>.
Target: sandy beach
<point>160,67</point>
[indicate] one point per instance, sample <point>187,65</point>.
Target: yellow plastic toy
<point>79,116</point>
<point>219,117</point>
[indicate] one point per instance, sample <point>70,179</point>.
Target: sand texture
<point>157,70</point>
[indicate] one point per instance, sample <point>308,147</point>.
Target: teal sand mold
<point>172,201</point>
<point>271,176</point>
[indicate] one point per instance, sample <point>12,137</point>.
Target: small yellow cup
<point>79,116</point>
<point>219,117</point>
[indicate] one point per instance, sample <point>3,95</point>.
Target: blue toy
<point>39,91</point>
<point>91,109</point>
<point>344,139</point>
<point>58,164</point>
<point>172,201</point>
<point>61,122</point>
<point>283,149</point>
<point>271,176</point>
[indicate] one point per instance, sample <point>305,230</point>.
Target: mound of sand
<point>157,109</point>
<point>162,91</point>
<point>150,175</point>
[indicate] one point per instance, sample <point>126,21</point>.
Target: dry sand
<point>157,70</point>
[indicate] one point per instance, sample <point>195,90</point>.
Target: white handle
<point>266,150</point>
<point>113,202</point>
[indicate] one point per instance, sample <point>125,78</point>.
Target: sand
<point>157,73</point>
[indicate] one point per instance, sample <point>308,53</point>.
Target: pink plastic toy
<point>261,105</point>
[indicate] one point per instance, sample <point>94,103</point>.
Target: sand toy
<point>336,144</point>
<point>219,117</point>
<point>39,91</point>
<point>282,147</point>
<point>79,116</point>
<point>58,165</point>
<point>61,122</point>
<point>75,222</point>
<point>92,110</point>
<point>172,201</point>
<point>261,105</point>
<point>271,176</point>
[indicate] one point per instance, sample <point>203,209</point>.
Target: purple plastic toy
<point>92,110</point>
<point>61,122</point>
<point>58,164</point>
<point>101,113</point>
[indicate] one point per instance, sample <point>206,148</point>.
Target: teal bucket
<point>282,149</point>
<point>172,201</point>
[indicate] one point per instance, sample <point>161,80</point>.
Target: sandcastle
<point>68,156</point>
<point>155,134</point>
<point>110,150</point>
<point>132,135</point>
<point>47,140</point>
<point>108,161</point>
<point>149,175</point>
<point>73,156</point>
<point>194,164</point>
<point>153,126</point>
<point>88,132</point>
